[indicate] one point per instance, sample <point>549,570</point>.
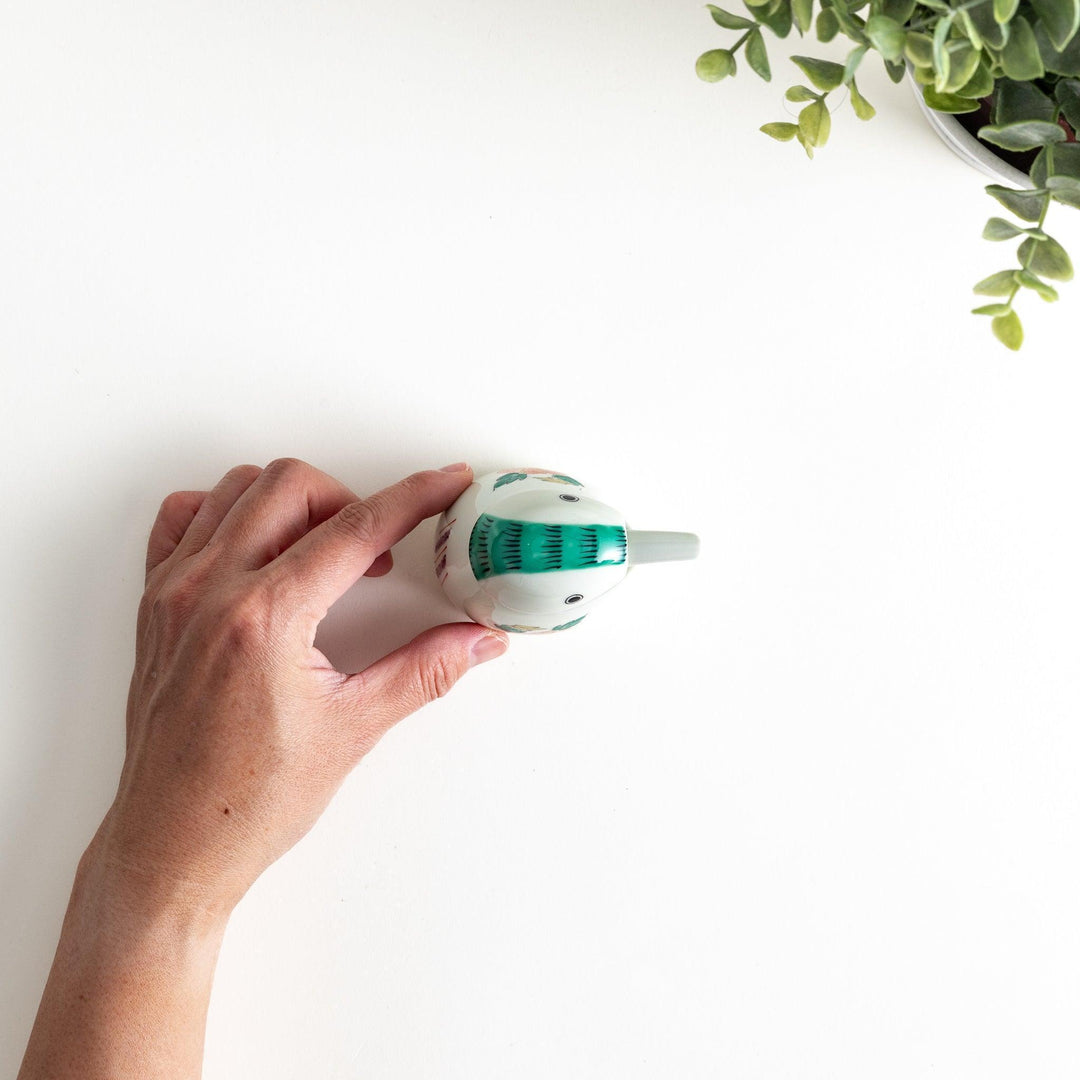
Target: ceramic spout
<point>646,547</point>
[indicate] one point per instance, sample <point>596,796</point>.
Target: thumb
<point>417,673</point>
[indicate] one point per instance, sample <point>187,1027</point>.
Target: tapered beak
<point>646,547</point>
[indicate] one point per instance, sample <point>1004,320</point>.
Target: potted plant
<point>1007,70</point>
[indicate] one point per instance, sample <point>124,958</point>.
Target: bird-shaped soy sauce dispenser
<point>530,551</point>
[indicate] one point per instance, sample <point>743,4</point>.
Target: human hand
<point>239,730</point>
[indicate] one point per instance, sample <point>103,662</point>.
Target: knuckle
<point>247,620</point>
<point>437,678</point>
<point>414,482</point>
<point>241,615</point>
<point>287,470</point>
<point>170,605</point>
<point>243,473</point>
<point>362,520</point>
<point>414,488</point>
<point>174,503</point>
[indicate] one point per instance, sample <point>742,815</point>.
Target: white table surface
<point>805,808</point>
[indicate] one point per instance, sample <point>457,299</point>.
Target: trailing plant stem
<point>1025,264</point>
<point>932,20</point>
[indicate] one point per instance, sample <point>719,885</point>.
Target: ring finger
<point>214,509</point>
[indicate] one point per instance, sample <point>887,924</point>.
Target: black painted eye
<point>569,498</point>
<point>573,598</point>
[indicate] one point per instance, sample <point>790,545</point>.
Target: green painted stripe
<point>507,546</point>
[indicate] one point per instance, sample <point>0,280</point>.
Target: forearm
<point>239,731</point>
<point>130,983</point>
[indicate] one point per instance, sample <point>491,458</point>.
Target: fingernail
<point>487,648</point>
<point>460,466</point>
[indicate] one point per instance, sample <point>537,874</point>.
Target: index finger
<point>322,565</point>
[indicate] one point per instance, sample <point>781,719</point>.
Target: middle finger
<point>288,499</point>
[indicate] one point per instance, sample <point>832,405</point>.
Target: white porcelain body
<point>537,596</point>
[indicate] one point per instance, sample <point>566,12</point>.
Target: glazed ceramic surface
<point>962,143</point>
<point>530,551</point>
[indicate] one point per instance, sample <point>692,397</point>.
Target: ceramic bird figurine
<point>530,551</point>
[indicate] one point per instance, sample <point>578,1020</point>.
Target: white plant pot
<point>967,147</point>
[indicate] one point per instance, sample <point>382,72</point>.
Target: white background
<point>805,808</point>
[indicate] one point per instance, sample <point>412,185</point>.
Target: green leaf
<point>970,30</point>
<point>1065,189</point>
<point>1046,257</point>
<point>1061,19</point>
<point>777,19</point>
<point>828,25</point>
<point>993,33</point>
<point>941,57</point>
<point>1000,229</point>
<point>715,65</point>
<point>863,109</point>
<point>1016,101</point>
<point>729,21</point>
<point>886,35</point>
<point>1066,161</point>
<point>1004,10</point>
<point>992,309</point>
<point>802,11</point>
<point>1052,261</point>
<point>896,70</point>
<point>898,10</point>
<point>1030,281</point>
<point>779,131</point>
<point>1008,331</point>
<point>1025,135</point>
<point>1003,283</point>
<point>756,56</point>
<point>919,48</point>
<point>981,84</point>
<point>948,103</point>
<point>804,144</point>
<point>854,59</point>
<point>815,123</point>
<point>800,93</point>
<point>1067,93</point>
<point>824,74</point>
<point>1060,61</point>
<point>1037,173</point>
<point>1028,205</point>
<point>963,62</point>
<point>1020,59</point>
<point>850,25</point>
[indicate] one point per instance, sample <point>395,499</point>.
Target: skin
<point>239,731</point>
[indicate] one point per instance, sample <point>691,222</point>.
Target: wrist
<point>120,895</point>
<point>130,983</point>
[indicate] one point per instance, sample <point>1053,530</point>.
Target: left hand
<point>239,731</point>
